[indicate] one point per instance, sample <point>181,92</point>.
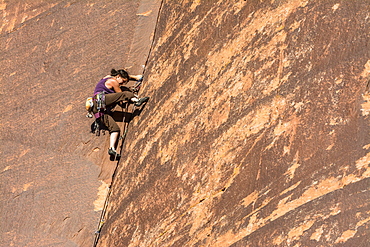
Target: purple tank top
<point>100,87</point>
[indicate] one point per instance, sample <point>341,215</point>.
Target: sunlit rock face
<point>53,171</point>
<point>257,130</point>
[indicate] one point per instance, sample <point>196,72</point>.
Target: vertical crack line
<point>154,35</point>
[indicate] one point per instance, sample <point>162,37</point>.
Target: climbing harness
<point>99,100</point>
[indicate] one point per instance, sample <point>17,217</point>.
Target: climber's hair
<point>120,72</point>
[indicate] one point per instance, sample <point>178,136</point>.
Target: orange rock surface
<point>256,132</point>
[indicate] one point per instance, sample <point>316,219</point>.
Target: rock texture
<point>52,55</point>
<point>257,131</point>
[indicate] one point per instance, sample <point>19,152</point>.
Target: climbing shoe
<point>113,154</point>
<point>141,101</point>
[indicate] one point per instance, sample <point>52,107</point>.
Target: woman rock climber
<point>107,95</point>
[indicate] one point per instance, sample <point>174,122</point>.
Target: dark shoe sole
<point>141,101</point>
<point>114,155</point>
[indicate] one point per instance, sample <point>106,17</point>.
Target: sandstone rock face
<point>52,55</point>
<point>257,131</point>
